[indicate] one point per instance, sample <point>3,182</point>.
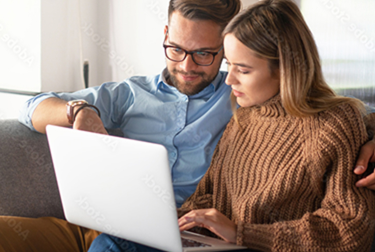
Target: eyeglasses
<point>200,58</point>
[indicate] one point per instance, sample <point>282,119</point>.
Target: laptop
<point>121,187</point>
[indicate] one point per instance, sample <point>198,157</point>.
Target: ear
<point>165,30</point>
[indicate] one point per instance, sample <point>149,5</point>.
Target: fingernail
<point>359,169</point>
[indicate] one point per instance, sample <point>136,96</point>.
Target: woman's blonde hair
<point>276,31</point>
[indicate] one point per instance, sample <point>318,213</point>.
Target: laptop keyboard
<point>187,243</point>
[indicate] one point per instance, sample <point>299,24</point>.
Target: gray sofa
<point>28,185</point>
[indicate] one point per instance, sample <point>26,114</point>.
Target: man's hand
<point>88,120</point>
<point>211,219</point>
<point>366,155</point>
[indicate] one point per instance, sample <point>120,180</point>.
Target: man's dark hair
<point>218,11</point>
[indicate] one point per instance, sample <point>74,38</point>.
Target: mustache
<point>175,71</point>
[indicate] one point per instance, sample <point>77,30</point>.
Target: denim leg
<point>108,243</point>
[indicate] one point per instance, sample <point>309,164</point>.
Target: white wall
<point>40,41</point>
<point>133,41</point>
<point>19,44</point>
<point>137,32</point>
<point>10,105</point>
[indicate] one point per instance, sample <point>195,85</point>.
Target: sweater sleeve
<point>345,219</point>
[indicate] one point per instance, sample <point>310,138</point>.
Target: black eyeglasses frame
<point>191,53</point>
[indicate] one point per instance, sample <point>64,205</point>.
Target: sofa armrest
<point>28,186</point>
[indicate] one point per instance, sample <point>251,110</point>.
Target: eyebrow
<point>242,65</point>
<point>238,64</point>
<point>199,49</point>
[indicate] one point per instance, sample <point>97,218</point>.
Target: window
<point>344,31</point>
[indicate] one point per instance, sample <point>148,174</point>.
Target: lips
<point>236,93</point>
<point>189,77</point>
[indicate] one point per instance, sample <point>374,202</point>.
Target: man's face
<point>188,77</point>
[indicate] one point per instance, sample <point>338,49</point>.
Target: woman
<point>281,176</point>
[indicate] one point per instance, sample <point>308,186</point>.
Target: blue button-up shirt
<point>148,109</point>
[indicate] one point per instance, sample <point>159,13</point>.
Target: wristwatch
<point>70,108</point>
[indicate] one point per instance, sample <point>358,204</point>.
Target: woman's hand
<point>211,219</point>
<point>366,155</point>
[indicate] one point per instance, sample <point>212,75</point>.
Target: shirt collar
<point>205,93</point>
<point>161,80</point>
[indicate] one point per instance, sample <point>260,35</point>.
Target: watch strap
<point>85,106</point>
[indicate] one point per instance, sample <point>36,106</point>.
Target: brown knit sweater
<point>288,182</point>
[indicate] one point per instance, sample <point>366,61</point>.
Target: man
<point>185,108</point>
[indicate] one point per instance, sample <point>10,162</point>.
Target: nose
<point>231,78</point>
<point>188,64</point>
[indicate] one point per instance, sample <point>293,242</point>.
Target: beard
<point>188,87</point>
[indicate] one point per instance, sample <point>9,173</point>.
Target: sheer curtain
<point>344,31</point>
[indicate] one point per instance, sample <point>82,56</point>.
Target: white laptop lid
<point>84,165</point>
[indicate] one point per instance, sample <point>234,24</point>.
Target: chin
<point>245,103</point>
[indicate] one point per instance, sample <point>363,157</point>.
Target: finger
<point>186,219</point>
<point>368,181</point>
<point>198,218</point>
<point>208,219</point>
<point>360,168</point>
<point>203,217</point>
<point>366,155</point>
<point>187,215</point>
<point>190,225</point>
<point>187,223</point>
<point>192,214</point>
<point>183,220</point>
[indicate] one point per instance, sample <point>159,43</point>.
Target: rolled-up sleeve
<point>112,99</point>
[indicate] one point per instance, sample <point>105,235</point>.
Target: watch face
<point>76,102</point>
<point>70,109</point>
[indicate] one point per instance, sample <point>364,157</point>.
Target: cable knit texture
<point>288,182</point>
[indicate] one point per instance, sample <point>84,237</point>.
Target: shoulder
<point>143,82</point>
<point>341,126</point>
<point>129,84</point>
<point>344,115</point>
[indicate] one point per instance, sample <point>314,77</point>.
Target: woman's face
<point>249,76</point>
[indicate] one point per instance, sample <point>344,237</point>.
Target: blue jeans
<point>108,243</point>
